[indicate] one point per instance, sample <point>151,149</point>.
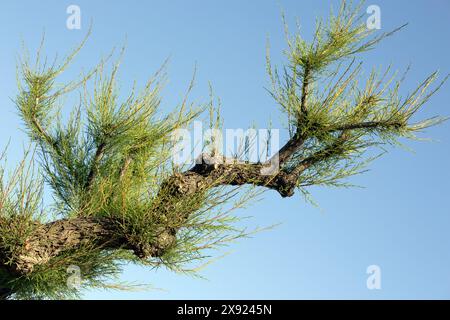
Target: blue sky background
<point>399,222</point>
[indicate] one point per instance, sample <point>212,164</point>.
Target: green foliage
<point>330,106</point>
<point>112,156</point>
<point>20,204</point>
<point>108,159</point>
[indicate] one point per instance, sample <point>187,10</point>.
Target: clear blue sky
<point>399,222</point>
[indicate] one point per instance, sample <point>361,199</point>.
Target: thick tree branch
<point>49,240</point>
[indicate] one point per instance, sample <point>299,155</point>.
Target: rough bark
<point>49,240</point>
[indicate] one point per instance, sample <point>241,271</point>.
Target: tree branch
<point>49,240</point>
<point>99,153</point>
<point>366,125</point>
<point>305,90</point>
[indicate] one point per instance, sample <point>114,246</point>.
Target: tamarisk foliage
<point>119,198</point>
